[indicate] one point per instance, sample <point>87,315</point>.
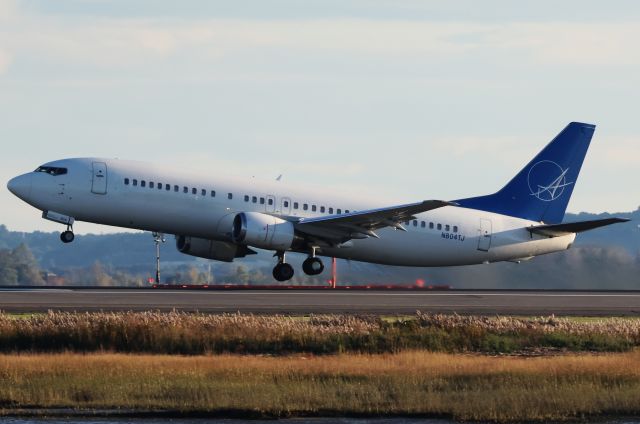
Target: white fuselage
<point>441,237</point>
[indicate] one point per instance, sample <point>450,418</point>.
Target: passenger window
<point>339,211</point>
<point>143,183</point>
<point>246,198</point>
<point>135,182</point>
<point>213,193</point>
<point>330,211</point>
<point>286,204</point>
<point>439,226</point>
<point>313,208</point>
<point>254,199</point>
<point>151,185</point>
<point>431,225</point>
<point>407,223</point>
<point>194,191</point>
<point>322,209</point>
<point>415,223</point>
<point>446,227</point>
<point>346,211</point>
<point>455,228</point>
<point>422,224</point>
<point>262,200</point>
<point>270,202</point>
<point>159,186</point>
<point>176,188</point>
<point>203,192</point>
<point>229,196</point>
<point>185,189</point>
<point>167,187</point>
<point>295,205</point>
<point>126,181</point>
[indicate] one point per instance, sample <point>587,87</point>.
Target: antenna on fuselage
<point>279,177</point>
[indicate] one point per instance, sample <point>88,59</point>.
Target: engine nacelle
<point>263,231</point>
<point>211,249</point>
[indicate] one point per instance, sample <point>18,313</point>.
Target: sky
<point>392,99</point>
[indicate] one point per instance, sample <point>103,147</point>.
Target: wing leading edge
<point>362,224</point>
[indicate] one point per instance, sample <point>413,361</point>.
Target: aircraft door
<point>270,206</point>
<point>99,181</point>
<point>484,242</point>
<point>285,206</point>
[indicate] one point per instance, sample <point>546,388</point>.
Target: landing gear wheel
<point>283,272</point>
<point>67,236</point>
<point>312,266</point>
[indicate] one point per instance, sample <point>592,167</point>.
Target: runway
<point>484,302</point>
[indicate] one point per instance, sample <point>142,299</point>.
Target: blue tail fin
<point>541,191</point>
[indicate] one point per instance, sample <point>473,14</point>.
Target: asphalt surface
<point>584,303</point>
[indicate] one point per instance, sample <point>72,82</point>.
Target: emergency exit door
<point>99,182</point>
<point>484,243</point>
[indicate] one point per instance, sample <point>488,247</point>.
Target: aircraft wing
<point>556,230</point>
<point>362,224</point>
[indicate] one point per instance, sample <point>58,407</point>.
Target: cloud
<point>576,44</point>
<point>8,10</point>
<point>620,152</point>
<point>5,61</point>
<point>129,42</point>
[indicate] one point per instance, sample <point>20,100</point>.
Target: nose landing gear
<point>67,236</point>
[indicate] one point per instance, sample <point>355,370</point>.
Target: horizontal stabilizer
<point>555,230</point>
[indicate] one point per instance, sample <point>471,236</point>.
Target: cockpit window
<point>52,170</point>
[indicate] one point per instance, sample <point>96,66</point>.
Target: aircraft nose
<point>20,186</point>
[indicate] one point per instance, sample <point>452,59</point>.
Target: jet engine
<point>263,231</point>
<point>211,249</point>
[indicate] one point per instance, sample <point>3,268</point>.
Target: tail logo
<point>547,180</point>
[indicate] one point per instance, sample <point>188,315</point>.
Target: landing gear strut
<point>67,236</point>
<point>157,239</point>
<point>282,271</point>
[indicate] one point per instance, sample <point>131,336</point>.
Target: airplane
<point>224,218</point>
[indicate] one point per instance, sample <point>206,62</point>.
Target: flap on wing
<point>362,224</point>
<point>556,230</point>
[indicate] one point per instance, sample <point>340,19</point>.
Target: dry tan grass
<point>466,387</point>
<point>187,333</point>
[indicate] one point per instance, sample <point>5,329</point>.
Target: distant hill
<point>608,257</point>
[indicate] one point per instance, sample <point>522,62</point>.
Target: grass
<point>196,334</point>
<point>465,387</point>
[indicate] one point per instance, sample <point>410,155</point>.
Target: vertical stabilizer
<point>542,189</point>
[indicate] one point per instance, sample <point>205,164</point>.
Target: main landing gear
<point>67,236</point>
<point>284,271</point>
<point>312,266</point>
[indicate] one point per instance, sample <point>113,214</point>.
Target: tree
<point>98,276</point>
<point>26,265</point>
<point>19,266</point>
<point>8,273</point>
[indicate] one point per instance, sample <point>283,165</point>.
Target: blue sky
<point>402,100</point>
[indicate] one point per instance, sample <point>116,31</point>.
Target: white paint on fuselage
<point>195,215</point>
